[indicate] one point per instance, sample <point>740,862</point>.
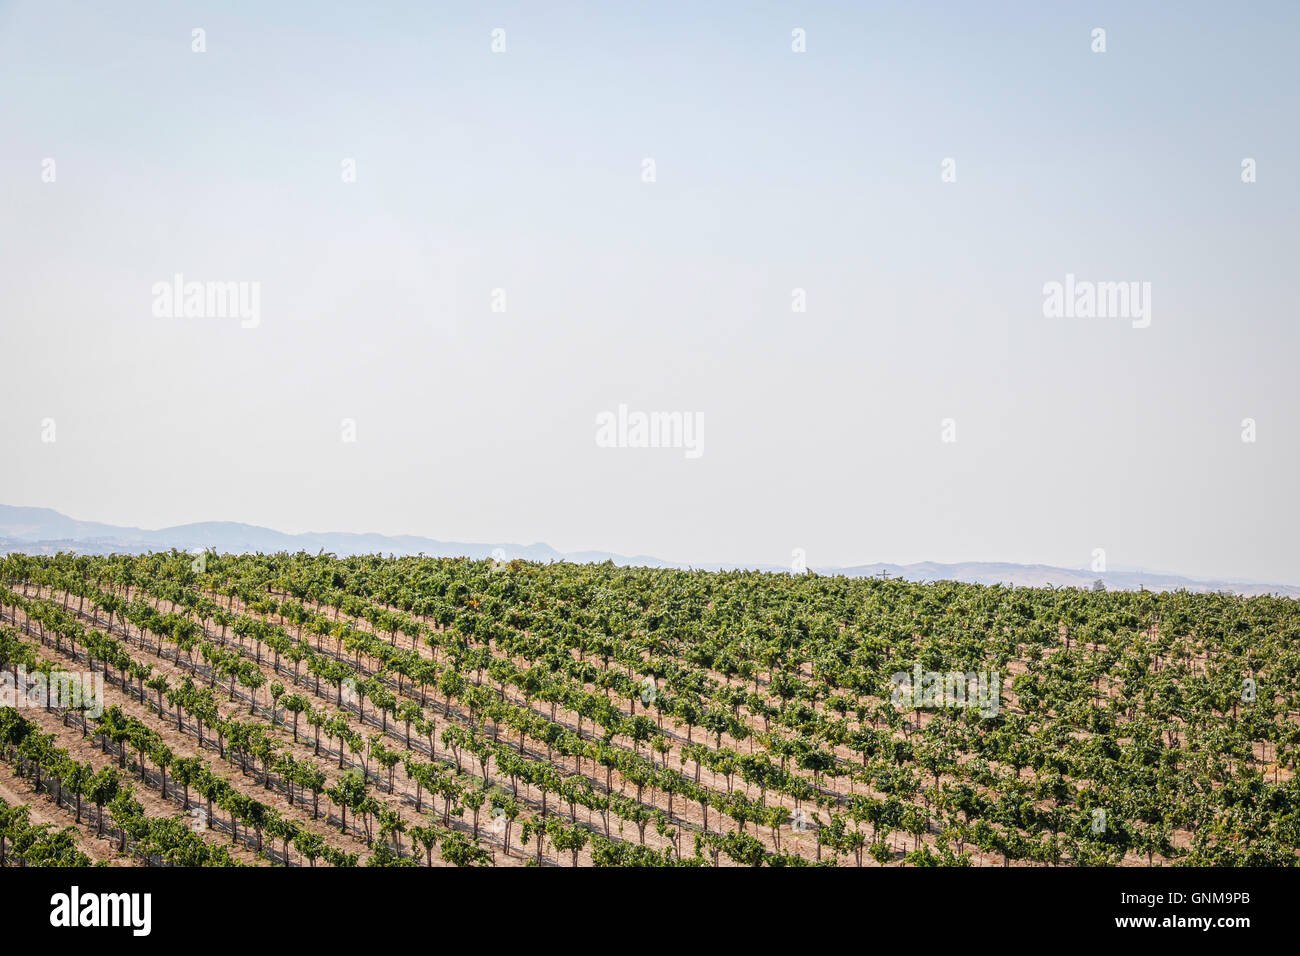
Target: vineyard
<point>298,710</point>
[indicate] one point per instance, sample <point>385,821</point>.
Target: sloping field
<point>309,711</point>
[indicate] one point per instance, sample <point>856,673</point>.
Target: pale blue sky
<point>776,170</point>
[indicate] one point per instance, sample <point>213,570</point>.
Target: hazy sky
<point>774,170</point>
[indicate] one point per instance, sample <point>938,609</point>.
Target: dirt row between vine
<point>84,750</point>
<point>804,844</point>
<point>691,815</point>
<point>185,744</point>
<point>570,721</point>
<point>41,809</point>
<point>1179,838</point>
<point>403,799</point>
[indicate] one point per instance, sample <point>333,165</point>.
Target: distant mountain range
<point>45,531</point>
